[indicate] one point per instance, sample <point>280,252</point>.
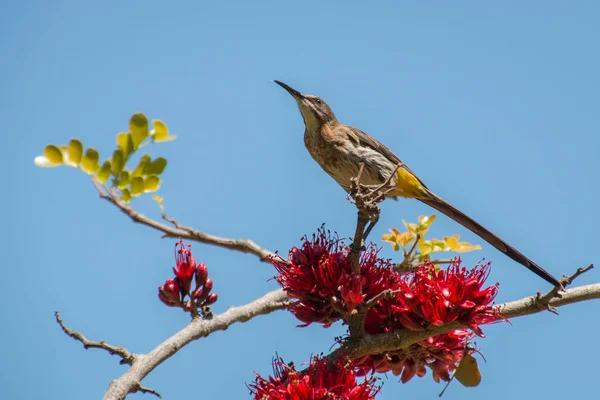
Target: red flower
<point>319,275</point>
<point>174,292</point>
<point>201,274</point>
<point>169,293</point>
<point>186,266</point>
<point>313,275</point>
<point>309,311</point>
<point>351,293</point>
<point>203,292</point>
<point>431,297</point>
<point>317,268</point>
<point>322,380</point>
<point>211,299</point>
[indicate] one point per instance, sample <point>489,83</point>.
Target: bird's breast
<point>341,159</point>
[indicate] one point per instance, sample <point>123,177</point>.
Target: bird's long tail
<point>439,204</point>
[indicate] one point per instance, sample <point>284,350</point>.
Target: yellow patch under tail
<point>408,185</point>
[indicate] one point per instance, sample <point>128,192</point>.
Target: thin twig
<point>357,242</point>
<point>414,246</point>
<point>406,264</point>
<point>126,356</point>
<point>241,245</point>
<point>580,271</point>
<point>543,301</point>
<point>176,224</point>
<point>442,261</point>
<point>385,294</point>
<point>144,389</point>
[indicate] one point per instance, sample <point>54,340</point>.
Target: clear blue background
<point>495,106</point>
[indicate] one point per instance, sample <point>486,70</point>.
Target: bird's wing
<point>361,138</point>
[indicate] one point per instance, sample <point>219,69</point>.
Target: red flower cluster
<point>425,297</point>
<point>178,292</point>
<point>319,276</point>
<point>322,380</point>
<point>432,297</point>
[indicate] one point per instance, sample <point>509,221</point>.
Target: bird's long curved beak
<point>296,94</point>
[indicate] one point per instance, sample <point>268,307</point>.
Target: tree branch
<point>385,294</point>
<point>368,210</point>
<point>126,356</point>
<point>241,245</point>
<point>544,301</point>
<point>143,364</point>
<point>144,389</point>
<point>376,344</point>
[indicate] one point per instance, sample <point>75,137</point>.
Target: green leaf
<point>125,143</point>
<point>123,181</point>
<point>142,166</point>
<point>157,166</point>
<point>126,196</point>
<point>118,161</point>
<point>104,172</point>
<point>138,129</point>
<point>75,151</point>
<point>137,186</point>
<point>89,163</point>
<point>160,133</point>
<point>53,154</point>
<point>151,183</point>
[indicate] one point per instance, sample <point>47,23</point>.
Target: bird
<point>341,149</point>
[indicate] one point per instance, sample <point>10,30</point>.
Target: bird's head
<point>314,110</point>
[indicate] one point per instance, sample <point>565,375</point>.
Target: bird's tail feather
<point>442,206</point>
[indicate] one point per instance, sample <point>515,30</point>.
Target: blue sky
<point>494,106</point>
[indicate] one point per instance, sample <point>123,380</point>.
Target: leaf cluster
<point>417,249</point>
<point>129,181</point>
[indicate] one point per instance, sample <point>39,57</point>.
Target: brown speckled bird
<point>339,149</point>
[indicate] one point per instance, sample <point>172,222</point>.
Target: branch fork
<point>543,301</point>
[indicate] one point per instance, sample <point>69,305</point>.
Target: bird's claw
<point>356,249</point>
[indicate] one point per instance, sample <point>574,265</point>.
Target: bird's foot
<point>356,249</point>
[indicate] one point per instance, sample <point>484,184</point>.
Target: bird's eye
<point>318,101</point>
